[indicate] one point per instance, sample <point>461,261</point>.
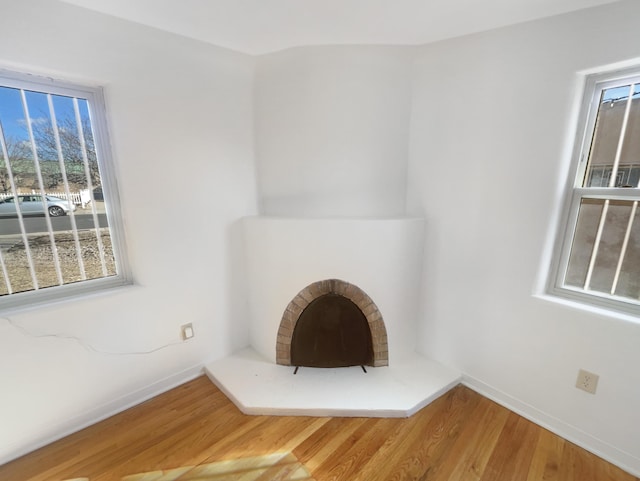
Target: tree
<point>71,148</point>
<point>19,156</point>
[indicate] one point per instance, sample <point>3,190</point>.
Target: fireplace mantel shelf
<point>258,386</point>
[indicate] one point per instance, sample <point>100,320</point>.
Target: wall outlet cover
<point>587,381</point>
<point>187,331</point>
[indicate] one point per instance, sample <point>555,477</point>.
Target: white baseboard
<point>108,409</point>
<point>610,453</point>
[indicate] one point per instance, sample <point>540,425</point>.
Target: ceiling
<point>261,26</point>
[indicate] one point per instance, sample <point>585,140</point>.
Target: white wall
<point>331,128</point>
<point>180,114</point>
<point>491,114</point>
<point>491,118</point>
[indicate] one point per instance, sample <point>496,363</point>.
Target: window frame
<point>575,192</point>
<point>94,97</point>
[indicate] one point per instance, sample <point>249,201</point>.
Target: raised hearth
<point>258,386</point>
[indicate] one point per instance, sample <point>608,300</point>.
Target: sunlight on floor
<point>270,467</point>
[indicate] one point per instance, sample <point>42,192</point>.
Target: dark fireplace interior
<point>331,332</point>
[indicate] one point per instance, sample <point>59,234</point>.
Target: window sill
<point>589,308</point>
<point>57,296</point>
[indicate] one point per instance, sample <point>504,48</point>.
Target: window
<point>599,261</point>
<point>56,237</point>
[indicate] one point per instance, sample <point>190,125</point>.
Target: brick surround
<point>345,289</point>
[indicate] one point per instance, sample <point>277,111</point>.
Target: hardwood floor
<point>460,436</point>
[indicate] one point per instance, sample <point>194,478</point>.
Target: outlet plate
<point>187,331</point>
<point>587,381</point>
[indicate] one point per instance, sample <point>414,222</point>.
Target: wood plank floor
<point>194,432</point>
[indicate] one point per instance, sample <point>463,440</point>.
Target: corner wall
<point>488,159</point>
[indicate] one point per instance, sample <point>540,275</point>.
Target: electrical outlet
<point>187,331</point>
<point>587,381</point>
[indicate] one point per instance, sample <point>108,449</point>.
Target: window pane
<point>16,138</point>
<point>63,237</point>
<point>18,268</point>
<point>606,137</point>
<point>583,241</point>
<point>607,253</point>
<point>630,158</point>
<point>610,247</point>
<point>629,282</point>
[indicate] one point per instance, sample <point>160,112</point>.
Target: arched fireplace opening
<point>331,332</point>
<point>332,323</point>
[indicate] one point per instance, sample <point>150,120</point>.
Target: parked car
<point>32,204</point>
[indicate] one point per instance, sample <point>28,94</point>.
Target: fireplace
<point>382,261</point>
<point>332,323</point>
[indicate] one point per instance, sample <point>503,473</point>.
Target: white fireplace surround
<point>383,257</point>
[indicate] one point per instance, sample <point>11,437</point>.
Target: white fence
<point>81,197</point>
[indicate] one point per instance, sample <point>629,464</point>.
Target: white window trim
<point>573,195</point>
<point>108,174</point>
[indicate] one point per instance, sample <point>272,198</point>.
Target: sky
<point>620,93</point>
<point>12,115</point>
